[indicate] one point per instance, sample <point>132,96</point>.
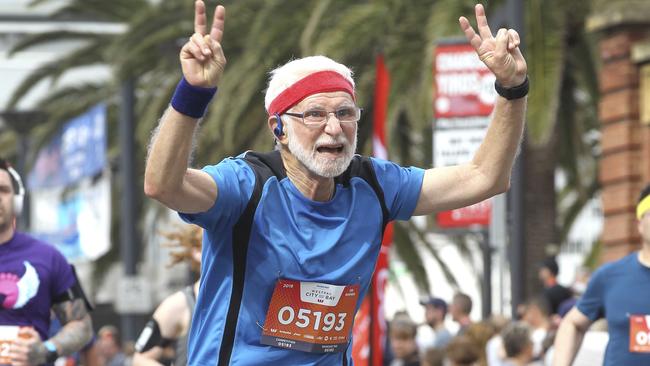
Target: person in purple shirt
<point>34,280</point>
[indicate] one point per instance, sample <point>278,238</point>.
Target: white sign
<point>133,296</point>
<point>453,147</point>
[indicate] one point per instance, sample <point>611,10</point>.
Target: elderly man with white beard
<point>292,236</point>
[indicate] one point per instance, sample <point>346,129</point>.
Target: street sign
<point>464,100</point>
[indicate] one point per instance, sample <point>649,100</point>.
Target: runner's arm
<point>489,171</point>
<point>168,178</point>
<point>569,337</point>
<point>173,318</point>
<point>77,328</point>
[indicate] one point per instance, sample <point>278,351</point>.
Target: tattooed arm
<point>77,328</point>
<point>76,332</point>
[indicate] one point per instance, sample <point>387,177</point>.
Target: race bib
<point>310,316</point>
<point>640,333</point>
<point>8,333</point>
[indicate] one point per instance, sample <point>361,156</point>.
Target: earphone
<point>20,195</point>
<point>277,131</point>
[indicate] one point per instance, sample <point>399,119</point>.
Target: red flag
<point>369,349</point>
<point>382,91</point>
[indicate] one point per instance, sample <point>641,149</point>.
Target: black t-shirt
<point>556,295</point>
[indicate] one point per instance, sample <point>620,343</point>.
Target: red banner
<point>369,334</point>
<point>464,85</point>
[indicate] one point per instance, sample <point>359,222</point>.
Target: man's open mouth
<point>331,149</point>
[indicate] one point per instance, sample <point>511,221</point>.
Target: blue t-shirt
<point>617,291</point>
<point>292,237</point>
<point>32,273</point>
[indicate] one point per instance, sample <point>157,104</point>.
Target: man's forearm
<point>495,157</point>
<point>73,336</point>
<point>567,342</point>
<point>169,153</point>
<point>77,328</point>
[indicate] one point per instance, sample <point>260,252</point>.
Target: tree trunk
<point>539,196</point>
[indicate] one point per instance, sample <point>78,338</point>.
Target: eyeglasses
<point>318,117</point>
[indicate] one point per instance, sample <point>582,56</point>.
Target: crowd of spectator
<point>525,340</point>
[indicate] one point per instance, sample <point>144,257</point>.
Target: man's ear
<point>277,127</point>
<point>639,226</point>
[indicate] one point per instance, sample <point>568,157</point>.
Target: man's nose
<point>333,125</point>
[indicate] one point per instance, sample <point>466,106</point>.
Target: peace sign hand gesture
<point>501,54</point>
<point>202,58</point>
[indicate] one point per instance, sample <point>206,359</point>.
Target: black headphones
<point>277,131</point>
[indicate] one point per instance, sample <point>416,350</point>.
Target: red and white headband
<point>318,82</point>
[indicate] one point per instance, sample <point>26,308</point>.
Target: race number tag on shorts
<point>8,333</point>
<point>640,333</point>
<point>310,316</point>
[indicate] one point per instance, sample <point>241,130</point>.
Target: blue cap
<point>436,302</point>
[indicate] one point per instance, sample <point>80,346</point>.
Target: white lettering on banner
<point>455,61</point>
<point>319,293</point>
<point>457,84</point>
<point>459,123</point>
<point>467,84</point>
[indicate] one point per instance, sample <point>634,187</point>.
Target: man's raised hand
<point>500,54</point>
<point>202,58</point>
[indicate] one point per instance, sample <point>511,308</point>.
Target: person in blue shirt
<point>291,237</point>
<point>620,293</point>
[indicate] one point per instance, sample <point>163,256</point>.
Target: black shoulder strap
<point>264,166</point>
<point>361,166</point>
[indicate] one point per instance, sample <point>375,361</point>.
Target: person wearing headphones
<point>292,236</point>
<point>34,280</point>
<point>619,292</point>
<point>163,341</point>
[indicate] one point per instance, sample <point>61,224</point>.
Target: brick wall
<point>625,150</point>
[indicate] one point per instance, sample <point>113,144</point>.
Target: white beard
<point>328,168</point>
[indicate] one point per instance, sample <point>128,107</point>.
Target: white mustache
<point>328,140</point>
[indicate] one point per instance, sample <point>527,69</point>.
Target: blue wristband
<point>52,353</point>
<point>192,100</point>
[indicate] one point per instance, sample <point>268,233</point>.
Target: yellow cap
<point>642,207</point>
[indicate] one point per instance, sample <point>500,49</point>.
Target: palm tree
<point>562,111</point>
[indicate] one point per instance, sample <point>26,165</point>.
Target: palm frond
<point>34,40</point>
<point>85,56</point>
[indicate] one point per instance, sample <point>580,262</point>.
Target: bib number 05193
<point>306,318</point>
